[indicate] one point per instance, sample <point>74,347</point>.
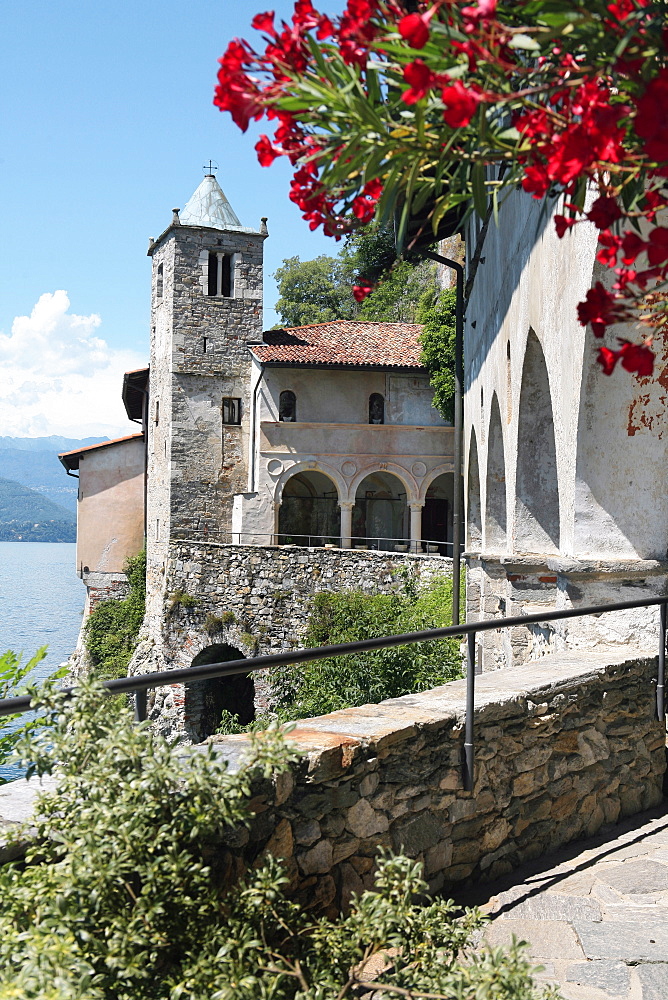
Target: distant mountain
<point>34,463</point>
<point>29,516</point>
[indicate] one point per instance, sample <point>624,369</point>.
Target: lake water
<point>41,604</point>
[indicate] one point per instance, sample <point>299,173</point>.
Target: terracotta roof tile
<point>344,342</point>
<point>70,459</point>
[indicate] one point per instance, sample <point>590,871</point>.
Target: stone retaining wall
<point>564,745</point>
<point>254,599</point>
<point>267,588</point>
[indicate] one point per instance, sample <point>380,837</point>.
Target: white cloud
<point>58,377</point>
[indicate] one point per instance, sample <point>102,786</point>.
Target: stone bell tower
<point>206,306</point>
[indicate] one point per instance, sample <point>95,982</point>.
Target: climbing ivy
<point>113,626</point>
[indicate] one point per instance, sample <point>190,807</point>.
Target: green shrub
<point>12,673</point>
<point>341,682</point>
<point>119,899</point>
<point>113,626</point>
<point>181,599</point>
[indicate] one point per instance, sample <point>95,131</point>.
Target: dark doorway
<point>437,515</point>
<point>206,700</point>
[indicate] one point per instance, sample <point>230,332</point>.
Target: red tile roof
<point>343,342</point>
<point>70,459</point>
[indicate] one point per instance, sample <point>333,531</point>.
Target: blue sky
<point>107,119</point>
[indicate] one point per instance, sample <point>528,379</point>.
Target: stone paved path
<point>595,912</point>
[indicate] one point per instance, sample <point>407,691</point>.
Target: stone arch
<point>380,517</point>
<point>206,700</point>
<point>537,483</point>
<point>495,491</point>
<point>440,470</point>
<point>309,513</point>
<point>404,477</point>
<point>473,509</point>
<point>311,466</point>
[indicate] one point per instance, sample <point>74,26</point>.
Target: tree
<point>438,350</point>
<point>313,291</point>
<point>425,112</point>
<point>120,899</point>
<point>402,291</point>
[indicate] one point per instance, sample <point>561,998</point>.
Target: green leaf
<point>478,189</point>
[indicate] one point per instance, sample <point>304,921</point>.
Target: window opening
<point>157,411</point>
<point>376,408</point>
<point>219,280</point>
<point>159,282</point>
<point>231,410</point>
<point>203,345</point>
<point>287,406</point>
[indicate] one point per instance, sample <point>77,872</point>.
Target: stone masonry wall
<point>267,588</point>
<point>260,598</point>
<point>564,745</point>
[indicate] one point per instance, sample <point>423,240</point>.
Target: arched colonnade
<point>385,507</point>
<point>529,520</point>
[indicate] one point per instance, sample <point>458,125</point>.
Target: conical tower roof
<point>210,208</point>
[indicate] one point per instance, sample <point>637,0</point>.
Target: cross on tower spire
<point>210,171</point>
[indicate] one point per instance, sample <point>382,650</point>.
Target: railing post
<point>469,752</point>
<point>661,678</point>
<point>141,713</point>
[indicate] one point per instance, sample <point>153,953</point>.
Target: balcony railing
<point>432,546</point>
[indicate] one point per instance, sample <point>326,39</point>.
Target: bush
<point>12,672</point>
<point>341,682</point>
<point>113,626</point>
<point>119,899</point>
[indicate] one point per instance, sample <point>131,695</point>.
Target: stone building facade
<point>317,438</point>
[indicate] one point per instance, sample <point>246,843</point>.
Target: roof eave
<point>241,230</point>
<point>418,369</point>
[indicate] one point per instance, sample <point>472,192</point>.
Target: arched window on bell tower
<point>221,275</point>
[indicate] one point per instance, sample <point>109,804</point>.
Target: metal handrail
<point>141,683</point>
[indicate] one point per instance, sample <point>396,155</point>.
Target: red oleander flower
<point>264,22</point>
<point>607,359</point>
<point>657,246</point>
<point>414,29</point>
<point>460,104</point>
<point>598,309</point>
<point>636,358</point>
<point>420,79</point>
<point>604,212</point>
<point>266,153</point>
<point>632,245</point>
<point>610,246</point>
<point>562,224</point>
<point>651,123</point>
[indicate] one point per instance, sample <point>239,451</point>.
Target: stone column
<point>416,526</point>
<point>346,524</point>
<point>274,540</point>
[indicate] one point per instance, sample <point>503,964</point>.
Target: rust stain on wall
<point>647,410</point>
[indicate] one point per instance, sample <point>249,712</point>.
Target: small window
<point>157,411</point>
<point>287,406</point>
<point>220,275</point>
<point>159,283</point>
<point>231,410</point>
<point>376,408</point>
